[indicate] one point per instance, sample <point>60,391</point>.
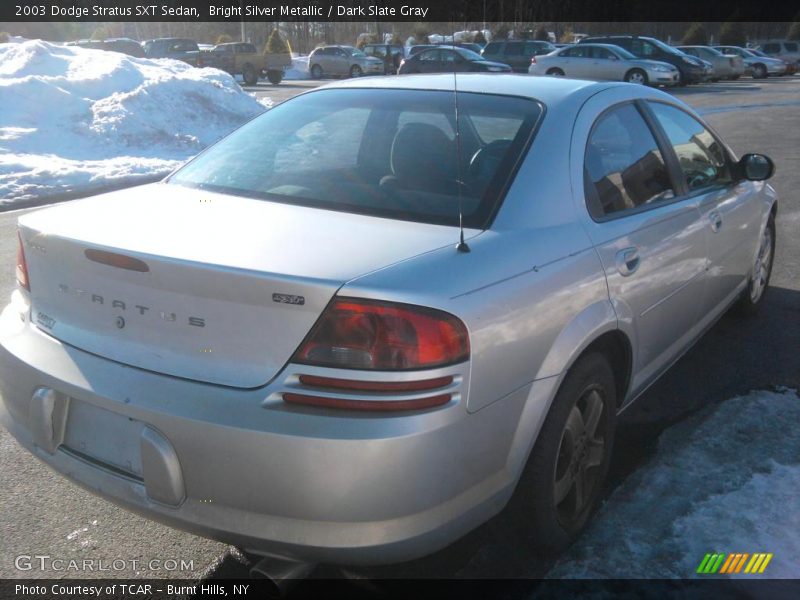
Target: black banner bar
<point>418,589</point>
<point>452,11</point>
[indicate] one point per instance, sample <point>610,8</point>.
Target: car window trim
<point>712,187</point>
<point>628,212</point>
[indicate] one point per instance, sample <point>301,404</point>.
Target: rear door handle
<point>627,261</point>
<point>716,220</point>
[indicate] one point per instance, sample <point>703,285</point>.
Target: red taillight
<point>367,334</point>
<point>22,266</point>
<point>375,386</point>
<point>533,60</point>
<point>379,405</point>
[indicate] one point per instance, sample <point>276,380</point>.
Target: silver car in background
<point>726,66</point>
<point>758,67</point>
<point>291,345</point>
<point>342,61</point>
<point>604,62</point>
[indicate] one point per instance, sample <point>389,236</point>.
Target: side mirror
<point>756,167</point>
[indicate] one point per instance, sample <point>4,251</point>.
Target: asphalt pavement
<point>43,514</point>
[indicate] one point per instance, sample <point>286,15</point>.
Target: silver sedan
<point>604,62</point>
<point>726,66</point>
<point>290,344</point>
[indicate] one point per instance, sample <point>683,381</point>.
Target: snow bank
<point>74,119</point>
<point>725,481</point>
<point>299,69</point>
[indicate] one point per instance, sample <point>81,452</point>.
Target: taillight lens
<point>533,60</point>
<point>367,334</point>
<point>22,266</point>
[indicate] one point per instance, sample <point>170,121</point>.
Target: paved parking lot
<point>43,514</point>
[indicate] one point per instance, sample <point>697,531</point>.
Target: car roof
<point>549,90</point>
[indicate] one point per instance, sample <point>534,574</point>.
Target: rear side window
<point>772,48</point>
<point>381,152</point>
<point>702,158</point>
<point>513,49</point>
<point>623,166</point>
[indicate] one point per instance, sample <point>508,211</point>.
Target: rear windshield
<point>381,152</point>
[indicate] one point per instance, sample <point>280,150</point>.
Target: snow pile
<point>299,69</point>
<point>726,481</point>
<point>74,119</point>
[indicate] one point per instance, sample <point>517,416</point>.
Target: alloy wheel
<point>761,267</point>
<point>580,455</point>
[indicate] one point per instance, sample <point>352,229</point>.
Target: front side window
<point>790,46</point>
<point>513,49</point>
<point>381,152</point>
<point>623,166</point>
<point>702,158</point>
<point>601,53</point>
<point>430,56</point>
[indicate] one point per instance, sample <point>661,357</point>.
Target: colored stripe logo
<point>734,562</point>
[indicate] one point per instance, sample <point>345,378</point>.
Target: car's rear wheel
<point>636,76</point>
<point>753,295</point>
<point>568,464</point>
<point>249,75</point>
<point>355,71</point>
<point>759,71</point>
<point>555,72</point>
<point>316,71</point>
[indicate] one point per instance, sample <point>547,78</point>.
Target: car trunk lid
<point>204,286</point>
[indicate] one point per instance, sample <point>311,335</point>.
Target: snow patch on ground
<point>724,481</point>
<point>75,119</point>
<point>298,70</point>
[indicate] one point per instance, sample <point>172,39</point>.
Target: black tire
<point>355,71</point>
<point>758,283</point>
<point>275,77</point>
<point>553,524</point>
<point>316,72</point>
<point>638,75</point>
<point>556,72</point>
<point>249,75</point>
<point>759,71</point>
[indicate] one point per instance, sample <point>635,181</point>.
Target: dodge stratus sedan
<point>287,344</point>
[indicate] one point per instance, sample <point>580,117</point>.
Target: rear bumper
<point>232,465</point>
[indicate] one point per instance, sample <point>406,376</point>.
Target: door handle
<point>627,261</point>
<point>716,220</point>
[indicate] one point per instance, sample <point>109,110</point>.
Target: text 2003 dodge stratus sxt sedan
<point>280,346</point>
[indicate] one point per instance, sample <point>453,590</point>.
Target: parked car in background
<point>726,66</point>
<point>758,67</point>
<point>477,48</point>
<point>412,50</point>
<point>390,54</point>
<point>691,69</point>
<point>791,67</point>
<point>343,61</point>
<point>272,341</point>
<point>516,53</point>
<point>449,59</point>
<point>177,48</point>
<point>604,62</point>
<point>123,45</point>
<point>785,50</point>
<point>243,58</point>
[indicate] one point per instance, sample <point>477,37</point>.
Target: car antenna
<point>462,245</point>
